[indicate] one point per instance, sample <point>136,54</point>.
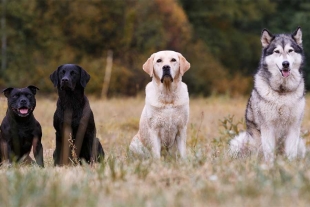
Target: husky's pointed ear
<point>148,65</point>
<point>184,64</point>
<point>297,36</point>
<point>266,38</point>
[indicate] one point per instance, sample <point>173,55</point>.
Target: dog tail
<point>138,149</point>
<point>240,145</point>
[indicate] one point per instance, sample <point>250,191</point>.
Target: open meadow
<point>209,177</point>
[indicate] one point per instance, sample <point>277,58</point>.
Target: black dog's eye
<point>159,60</point>
<point>29,95</point>
<point>173,60</point>
<point>72,73</point>
<point>277,51</point>
<point>63,71</point>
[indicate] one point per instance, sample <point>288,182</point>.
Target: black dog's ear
<point>7,91</point>
<point>33,89</point>
<point>54,76</point>
<point>85,77</point>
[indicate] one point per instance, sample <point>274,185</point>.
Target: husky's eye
<point>159,60</point>
<point>290,50</point>
<point>276,51</point>
<point>173,60</point>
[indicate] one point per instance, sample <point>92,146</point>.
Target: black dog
<point>73,119</point>
<point>19,129</point>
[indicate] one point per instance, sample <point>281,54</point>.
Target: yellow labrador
<point>163,121</point>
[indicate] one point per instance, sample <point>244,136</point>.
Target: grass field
<point>207,178</point>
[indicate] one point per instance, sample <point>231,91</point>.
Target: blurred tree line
<point>221,40</point>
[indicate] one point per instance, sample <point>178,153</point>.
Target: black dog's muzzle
<point>23,108</point>
<point>166,73</point>
<point>65,84</point>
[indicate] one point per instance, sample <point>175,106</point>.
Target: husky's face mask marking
<point>285,59</point>
<point>283,52</point>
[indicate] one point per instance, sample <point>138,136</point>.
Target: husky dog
<point>275,109</point>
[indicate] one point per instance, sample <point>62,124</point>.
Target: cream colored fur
<point>165,115</point>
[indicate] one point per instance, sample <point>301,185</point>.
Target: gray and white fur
<point>276,106</point>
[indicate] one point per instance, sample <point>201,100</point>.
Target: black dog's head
<point>21,100</point>
<point>67,76</point>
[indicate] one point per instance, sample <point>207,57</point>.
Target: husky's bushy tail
<point>242,145</point>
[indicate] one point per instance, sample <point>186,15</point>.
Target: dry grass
<point>207,178</point>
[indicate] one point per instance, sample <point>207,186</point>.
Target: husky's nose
<point>285,64</point>
<point>166,68</point>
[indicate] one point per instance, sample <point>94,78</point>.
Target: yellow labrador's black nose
<point>166,68</point>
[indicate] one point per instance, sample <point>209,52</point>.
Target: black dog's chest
<point>23,134</point>
<point>61,121</point>
<point>21,139</point>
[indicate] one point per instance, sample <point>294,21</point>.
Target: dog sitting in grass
<point>73,119</point>
<point>163,121</point>
<point>20,131</point>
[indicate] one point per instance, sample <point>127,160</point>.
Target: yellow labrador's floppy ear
<point>184,64</point>
<point>148,65</point>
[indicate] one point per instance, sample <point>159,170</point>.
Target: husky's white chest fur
<point>278,109</point>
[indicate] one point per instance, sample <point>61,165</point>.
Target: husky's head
<point>282,53</point>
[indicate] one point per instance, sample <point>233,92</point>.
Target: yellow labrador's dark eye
<point>173,60</point>
<point>159,60</point>
<point>276,51</point>
<point>290,50</point>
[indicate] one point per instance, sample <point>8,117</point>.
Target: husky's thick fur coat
<point>275,109</point>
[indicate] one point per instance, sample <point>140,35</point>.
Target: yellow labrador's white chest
<point>166,121</point>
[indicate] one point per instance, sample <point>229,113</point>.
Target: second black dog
<point>73,119</point>
<point>19,129</point>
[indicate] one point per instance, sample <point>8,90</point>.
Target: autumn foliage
<point>219,38</point>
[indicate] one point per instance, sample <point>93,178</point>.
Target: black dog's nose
<point>285,64</point>
<point>23,101</point>
<point>166,68</point>
<point>64,80</point>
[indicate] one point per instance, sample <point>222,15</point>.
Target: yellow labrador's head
<point>166,65</point>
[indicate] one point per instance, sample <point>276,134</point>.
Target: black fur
<point>73,113</point>
<point>19,129</point>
